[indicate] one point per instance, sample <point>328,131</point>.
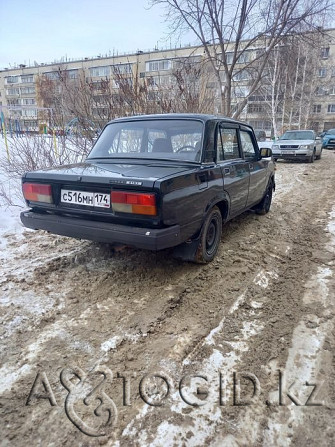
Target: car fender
<point>222,201</point>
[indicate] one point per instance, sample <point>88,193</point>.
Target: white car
<point>298,145</point>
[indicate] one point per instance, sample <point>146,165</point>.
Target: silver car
<point>298,145</point>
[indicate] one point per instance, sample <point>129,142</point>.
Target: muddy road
<point>130,348</point>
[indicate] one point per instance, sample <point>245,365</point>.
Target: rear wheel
<point>210,237</point>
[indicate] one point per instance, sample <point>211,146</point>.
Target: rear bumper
<point>145,238</point>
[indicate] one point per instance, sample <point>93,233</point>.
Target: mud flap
<point>187,250</point>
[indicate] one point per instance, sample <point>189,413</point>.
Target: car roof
<point>331,131</point>
<point>186,116</point>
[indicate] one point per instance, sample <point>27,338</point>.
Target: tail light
<point>35,192</point>
<point>135,203</point>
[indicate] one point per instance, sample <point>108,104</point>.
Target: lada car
<point>154,182</point>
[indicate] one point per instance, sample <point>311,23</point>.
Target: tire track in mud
<point>139,312</point>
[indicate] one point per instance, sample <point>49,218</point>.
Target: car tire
<point>312,158</point>
<point>264,206</point>
<point>318,157</point>
<point>210,237</point>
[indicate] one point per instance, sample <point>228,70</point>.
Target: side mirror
<point>266,152</point>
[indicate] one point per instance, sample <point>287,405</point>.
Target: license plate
<point>288,152</point>
<point>85,198</point>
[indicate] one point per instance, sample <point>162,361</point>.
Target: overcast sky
<point>48,30</point>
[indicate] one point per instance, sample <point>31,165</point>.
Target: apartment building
<point>311,96</point>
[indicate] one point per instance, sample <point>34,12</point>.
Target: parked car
<point>298,145</point>
<point>328,141</point>
<point>154,182</point>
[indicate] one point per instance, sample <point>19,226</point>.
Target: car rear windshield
<point>298,135</point>
<point>152,139</point>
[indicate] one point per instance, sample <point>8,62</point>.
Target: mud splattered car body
<point>155,182</point>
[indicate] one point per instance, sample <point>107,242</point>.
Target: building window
<point>255,108</point>
<point>100,71</point>
<point>243,58</point>
<point>161,65</point>
<point>262,125</point>
<point>27,79</point>
<point>72,74</point>
<point>317,108</point>
<point>124,82</point>
<point>52,75</point>
<point>162,81</point>
<point>28,101</point>
<point>229,57</point>
<point>242,75</point>
<point>332,90</point>
<point>13,91</point>
<point>27,90</point>
<point>325,52</point>
<point>322,73</point>
<point>29,112</point>
<point>320,91</point>
<point>14,102</point>
<point>122,68</point>
<point>331,108</point>
<point>12,80</point>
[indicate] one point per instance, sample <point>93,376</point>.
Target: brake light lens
<point>135,203</point>
<point>35,192</point>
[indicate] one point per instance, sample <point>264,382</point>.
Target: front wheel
<point>312,158</point>
<point>210,237</point>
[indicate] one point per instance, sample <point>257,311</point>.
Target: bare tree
<point>287,87</point>
<point>191,82</point>
<point>238,37</point>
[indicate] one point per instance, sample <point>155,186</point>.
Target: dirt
<point>122,347</point>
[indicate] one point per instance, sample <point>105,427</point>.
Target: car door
<point>235,170</point>
<point>257,167</point>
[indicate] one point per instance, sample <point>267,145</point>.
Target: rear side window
<point>227,144</point>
